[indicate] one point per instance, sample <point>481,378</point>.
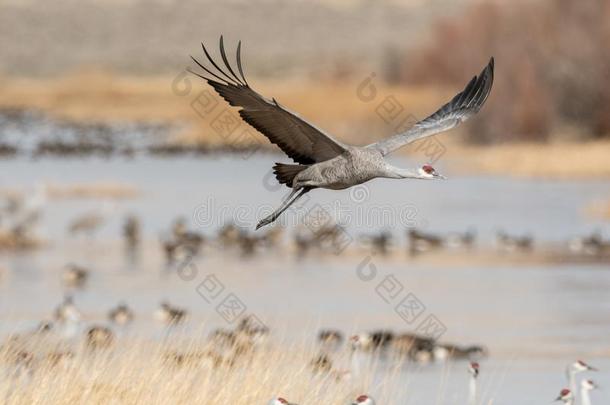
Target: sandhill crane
<point>509,243</point>
<point>421,242</point>
<point>26,211</point>
<point>445,351</point>
<point>321,161</point>
<point>585,387</point>
<point>89,222</point>
<point>473,370</point>
<point>131,231</point>
<point>169,314</point>
<point>578,366</point>
<point>99,337</point>
<point>75,276</point>
<point>68,316</point>
<point>566,396</point>
<point>121,314</point>
<point>330,339</point>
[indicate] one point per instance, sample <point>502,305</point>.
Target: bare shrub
<point>553,66</point>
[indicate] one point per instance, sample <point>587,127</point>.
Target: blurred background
<point>116,160</point>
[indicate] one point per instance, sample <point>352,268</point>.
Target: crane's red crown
<point>428,169</point>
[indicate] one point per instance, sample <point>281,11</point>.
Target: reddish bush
<point>552,65</point>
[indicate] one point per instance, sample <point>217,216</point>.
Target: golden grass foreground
<point>45,370</point>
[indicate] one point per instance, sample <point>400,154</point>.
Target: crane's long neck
<point>572,380</point>
<point>472,390</point>
<point>585,399</point>
<point>393,172</point>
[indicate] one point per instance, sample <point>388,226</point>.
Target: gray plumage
<point>321,161</point>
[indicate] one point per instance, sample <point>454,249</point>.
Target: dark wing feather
<point>463,106</point>
<point>300,140</point>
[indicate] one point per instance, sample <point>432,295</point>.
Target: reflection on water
<point>533,319</point>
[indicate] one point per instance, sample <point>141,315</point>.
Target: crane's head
<point>427,171</point>
<point>580,365</point>
<point>364,400</point>
<point>588,385</point>
<point>565,395</point>
<point>473,368</point>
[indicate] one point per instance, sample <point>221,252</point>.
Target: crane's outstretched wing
<point>300,140</point>
<point>463,106</point>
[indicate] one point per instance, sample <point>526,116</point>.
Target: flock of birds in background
<point>227,347</point>
<point>566,395</point>
<point>21,215</point>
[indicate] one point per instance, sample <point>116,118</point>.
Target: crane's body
<point>473,370</point>
<point>354,166</point>
<point>321,161</point>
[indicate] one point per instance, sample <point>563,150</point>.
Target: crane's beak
<point>439,176</point>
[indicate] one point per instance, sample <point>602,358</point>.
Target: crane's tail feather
<point>285,173</point>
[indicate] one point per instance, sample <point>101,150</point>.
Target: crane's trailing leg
<point>287,203</point>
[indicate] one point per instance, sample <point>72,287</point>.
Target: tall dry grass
<point>556,160</point>
<point>175,371</point>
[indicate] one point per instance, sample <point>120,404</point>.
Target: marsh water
<point>533,318</point>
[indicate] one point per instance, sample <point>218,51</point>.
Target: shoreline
<point>160,104</point>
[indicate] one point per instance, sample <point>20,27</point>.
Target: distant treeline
<point>552,67</point>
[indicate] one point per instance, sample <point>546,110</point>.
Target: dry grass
<point>177,372</point>
<point>553,160</point>
<point>11,241</point>
<point>97,96</point>
<point>92,191</point>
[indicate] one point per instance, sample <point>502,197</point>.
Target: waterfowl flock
<point>334,239</point>
<point>567,396</point>
<point>571,396</point>
<point>60,138</point>
<point>20,218</point>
